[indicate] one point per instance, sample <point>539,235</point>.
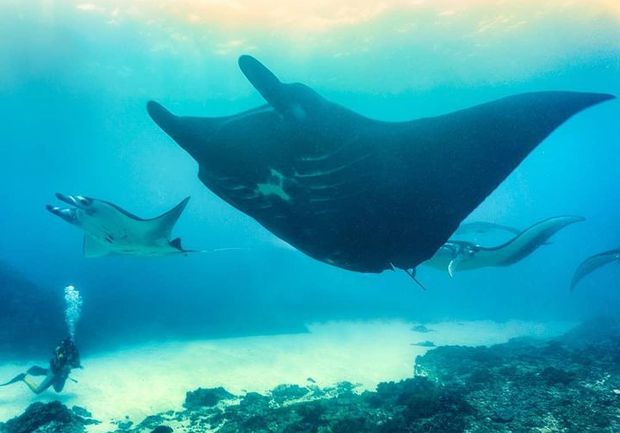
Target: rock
<point>284,393</point>
<point>555,376</point>
<point>124,425</point>
<point>206,397</point>
<point>502,415</point>
<point>162,429</point>
<point>90,421</point>
<point>425,343</point>
<point>51,417</point>
<point>85,415</point>
<point>345,388</point>
<point>151,422</point>
<point>80,411</point>
<point>254,401</point>
<point>421,329</point>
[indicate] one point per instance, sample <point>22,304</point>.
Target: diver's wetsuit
<point>66,357</point>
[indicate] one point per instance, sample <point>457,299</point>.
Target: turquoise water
<point>74,81</point>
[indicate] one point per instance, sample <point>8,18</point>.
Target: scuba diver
<point>66,357</point>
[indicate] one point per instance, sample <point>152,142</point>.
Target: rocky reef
<point>567,385</point>
<point>414,405</point>
<point>52,417</point>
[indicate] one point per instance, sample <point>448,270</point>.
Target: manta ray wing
<point>149,229</point>
<point>354,192</point>
<point>91,247</point>
<point>161,226</point>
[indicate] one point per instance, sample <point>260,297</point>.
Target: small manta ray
<point>358,193</point>
<point>592,263</point>
<point>465,255</point>
<point>109,229</point>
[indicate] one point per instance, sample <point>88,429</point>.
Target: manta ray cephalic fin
<point>265,81</point>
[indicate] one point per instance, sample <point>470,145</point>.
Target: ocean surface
<point>75,77</point>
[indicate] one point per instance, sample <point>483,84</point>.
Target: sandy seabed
<point>150,378</point>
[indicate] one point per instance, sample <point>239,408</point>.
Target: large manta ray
<point>354,192</point>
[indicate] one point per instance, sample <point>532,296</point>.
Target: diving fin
<point>17,378</point>
<point>37,371</point>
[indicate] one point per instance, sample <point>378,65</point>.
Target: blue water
<point>74,81</point>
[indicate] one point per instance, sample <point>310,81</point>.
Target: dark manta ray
<point>354,192</point>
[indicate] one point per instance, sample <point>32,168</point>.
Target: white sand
<point>143,380</point>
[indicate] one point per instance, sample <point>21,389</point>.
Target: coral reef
<point>52,417</point>
<point>414,405</point>
<point>206,397</point>
<point>569,385</point>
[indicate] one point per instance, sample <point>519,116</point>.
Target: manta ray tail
<point>412,274</point>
